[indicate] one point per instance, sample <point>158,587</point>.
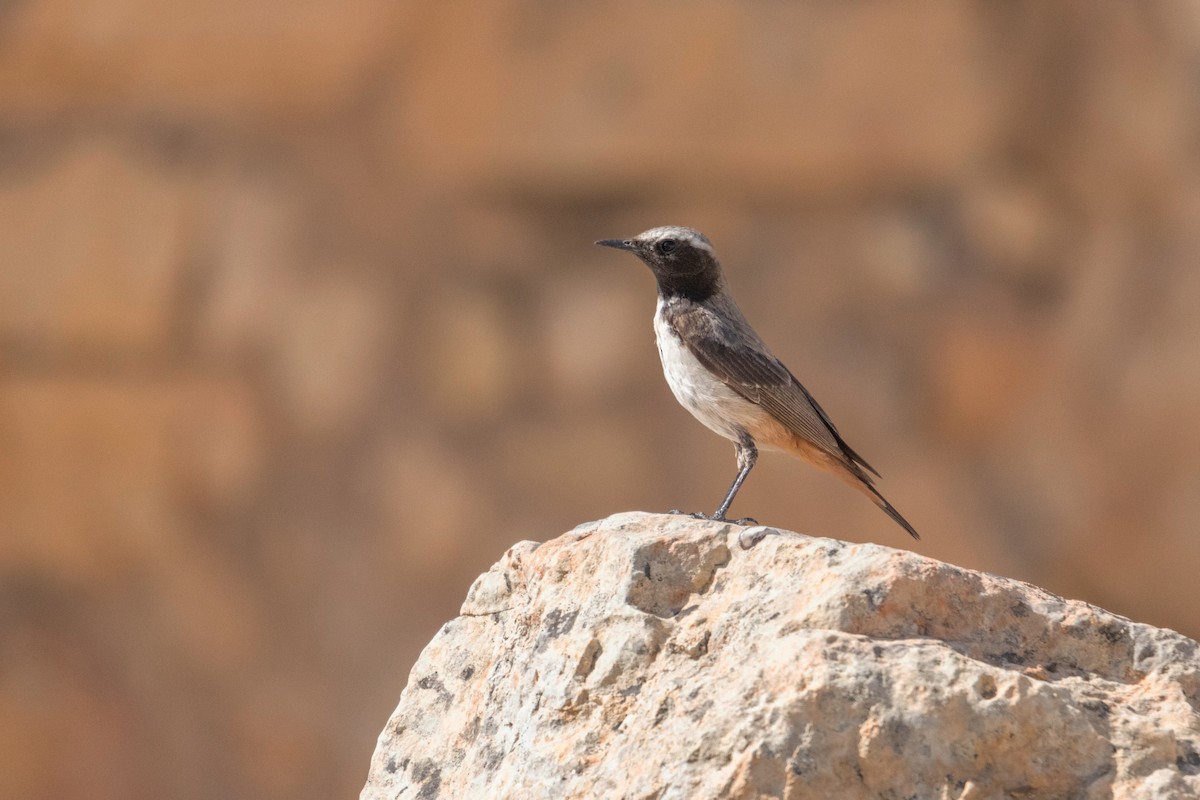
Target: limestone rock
<point>650,656</point>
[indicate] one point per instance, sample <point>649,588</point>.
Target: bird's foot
<point>714,517</point>
<point>693,514</point>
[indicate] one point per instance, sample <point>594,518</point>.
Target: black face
<point>681,259</point>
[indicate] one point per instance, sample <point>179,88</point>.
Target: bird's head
<point>682,260</point>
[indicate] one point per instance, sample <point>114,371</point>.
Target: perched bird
<point>721,371</point>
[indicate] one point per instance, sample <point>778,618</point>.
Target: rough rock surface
<point>653,656</point>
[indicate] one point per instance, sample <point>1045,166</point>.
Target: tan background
<point>301,326</point>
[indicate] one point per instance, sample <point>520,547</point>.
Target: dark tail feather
<point>891,511</point>
<point>854,470</point>
<point>849,453</point>
<point>857,459</point>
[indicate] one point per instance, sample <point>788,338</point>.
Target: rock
<point>654,656</point>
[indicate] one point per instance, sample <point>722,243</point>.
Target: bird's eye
<point>666,246</point>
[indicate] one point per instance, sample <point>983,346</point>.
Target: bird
<point>721,371</point>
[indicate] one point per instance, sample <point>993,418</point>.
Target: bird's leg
<point>747,454</point>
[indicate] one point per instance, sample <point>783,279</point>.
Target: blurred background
<point>301,326</point>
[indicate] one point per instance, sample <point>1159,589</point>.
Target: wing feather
<point>745,365</point>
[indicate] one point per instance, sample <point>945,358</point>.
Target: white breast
<point>712,402</point>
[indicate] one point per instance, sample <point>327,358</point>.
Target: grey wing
<point>750,370</point>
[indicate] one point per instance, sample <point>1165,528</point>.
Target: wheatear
<point>721,371</point>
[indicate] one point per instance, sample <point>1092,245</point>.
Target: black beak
<point>619,244</point>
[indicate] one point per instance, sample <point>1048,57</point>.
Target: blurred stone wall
<point>301,326</point>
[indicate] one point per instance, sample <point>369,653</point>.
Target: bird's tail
<point>853,474</point>
<point>891,511</point>
<point>850,467</point>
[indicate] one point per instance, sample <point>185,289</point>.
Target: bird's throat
<point>696,287</point>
